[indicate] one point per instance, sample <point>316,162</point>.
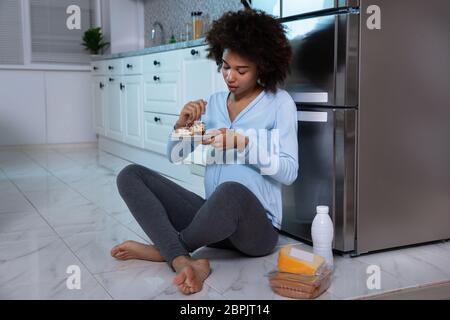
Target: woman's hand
<point>224,139</point>
<point>191,112</point>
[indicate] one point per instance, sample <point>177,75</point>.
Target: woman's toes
<point>119,255</point>
<point>185,289</point>
<point>118,248</point>
<point>187,281</point>
<point>116,253</point>
<point>122,255</point>
<point>179,278</point>
<point>115,250</point>
<point>193,290</point>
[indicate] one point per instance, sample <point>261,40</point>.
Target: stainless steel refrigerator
<point>371,80</point>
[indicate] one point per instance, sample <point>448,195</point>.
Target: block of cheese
<point>292,259</point>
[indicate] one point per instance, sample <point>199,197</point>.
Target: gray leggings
<point>179,222</point>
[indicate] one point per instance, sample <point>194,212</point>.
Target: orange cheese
<point>295,260</point>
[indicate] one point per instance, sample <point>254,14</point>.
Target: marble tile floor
<point>59,207</point>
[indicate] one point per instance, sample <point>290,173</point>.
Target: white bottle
<point>322,234</point>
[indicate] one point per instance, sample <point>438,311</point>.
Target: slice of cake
<point>198,128</point>
<point>183,132</point>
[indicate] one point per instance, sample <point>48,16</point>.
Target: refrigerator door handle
<point>310,97</point>
<point>312,116</point>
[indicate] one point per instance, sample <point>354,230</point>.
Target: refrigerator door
<point>295,7</point>
<point>404,126</point>
<point>272,7</point>
<point>326,176</point>
<point>324,66</point>
<point>312,68</point>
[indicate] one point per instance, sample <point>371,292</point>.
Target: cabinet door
<point>132,65</point>
<point>162,92</point>
<point>157,128</point>
<point>113,67</point>
<point>131,87</point>
<point>114,125</point>
<point>198,74</point>
<point>98,68</point>
<point>168,61</point>
<point>98,89</point>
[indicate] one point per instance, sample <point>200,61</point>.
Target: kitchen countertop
<point>156,49</point>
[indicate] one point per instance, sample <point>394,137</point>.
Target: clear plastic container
<point>293,283</point>
<point>299,286</point>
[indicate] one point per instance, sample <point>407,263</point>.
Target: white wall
<point>126,24</point>
<point>69,107</point>
<point>44,106</point>
<point>22,107</point>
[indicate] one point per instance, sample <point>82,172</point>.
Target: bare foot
<point>135,250</point>
<point>190,274</point>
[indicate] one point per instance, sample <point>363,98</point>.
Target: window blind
<point>11,35</point>
<point>51,40</point>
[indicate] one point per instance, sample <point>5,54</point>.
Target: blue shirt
<point>262,167</point>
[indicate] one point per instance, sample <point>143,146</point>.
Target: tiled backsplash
<point>174,14</point>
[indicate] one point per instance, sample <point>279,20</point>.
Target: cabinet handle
<point>110,67</point>
<point>122,86</point>
<point>156,63</point>
<point>101,85</point>
<point>157,119</point>
<point>129,66</point>
<point>95,68</point>
<point>194,52</point>
<point>156,78</point>
<point>111,79</point>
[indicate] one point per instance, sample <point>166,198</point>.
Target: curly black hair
<point>256,36</point>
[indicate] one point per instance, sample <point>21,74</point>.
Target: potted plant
<point>93,41</point>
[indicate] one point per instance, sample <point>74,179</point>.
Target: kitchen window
<point>11,34</point>
<point>51,40</point>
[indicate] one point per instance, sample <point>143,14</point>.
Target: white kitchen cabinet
<point>132,65</point>
<point>162,92</point>
<point>114,66</point>
<point>132,99</point>
<point>198,74</point>
<point>114,109</point>
<point>98,68</point>
<point>169,61</point>
<point>157,128</point>
<point>98,91</point>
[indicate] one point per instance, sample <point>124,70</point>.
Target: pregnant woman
<point>242,209</point>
